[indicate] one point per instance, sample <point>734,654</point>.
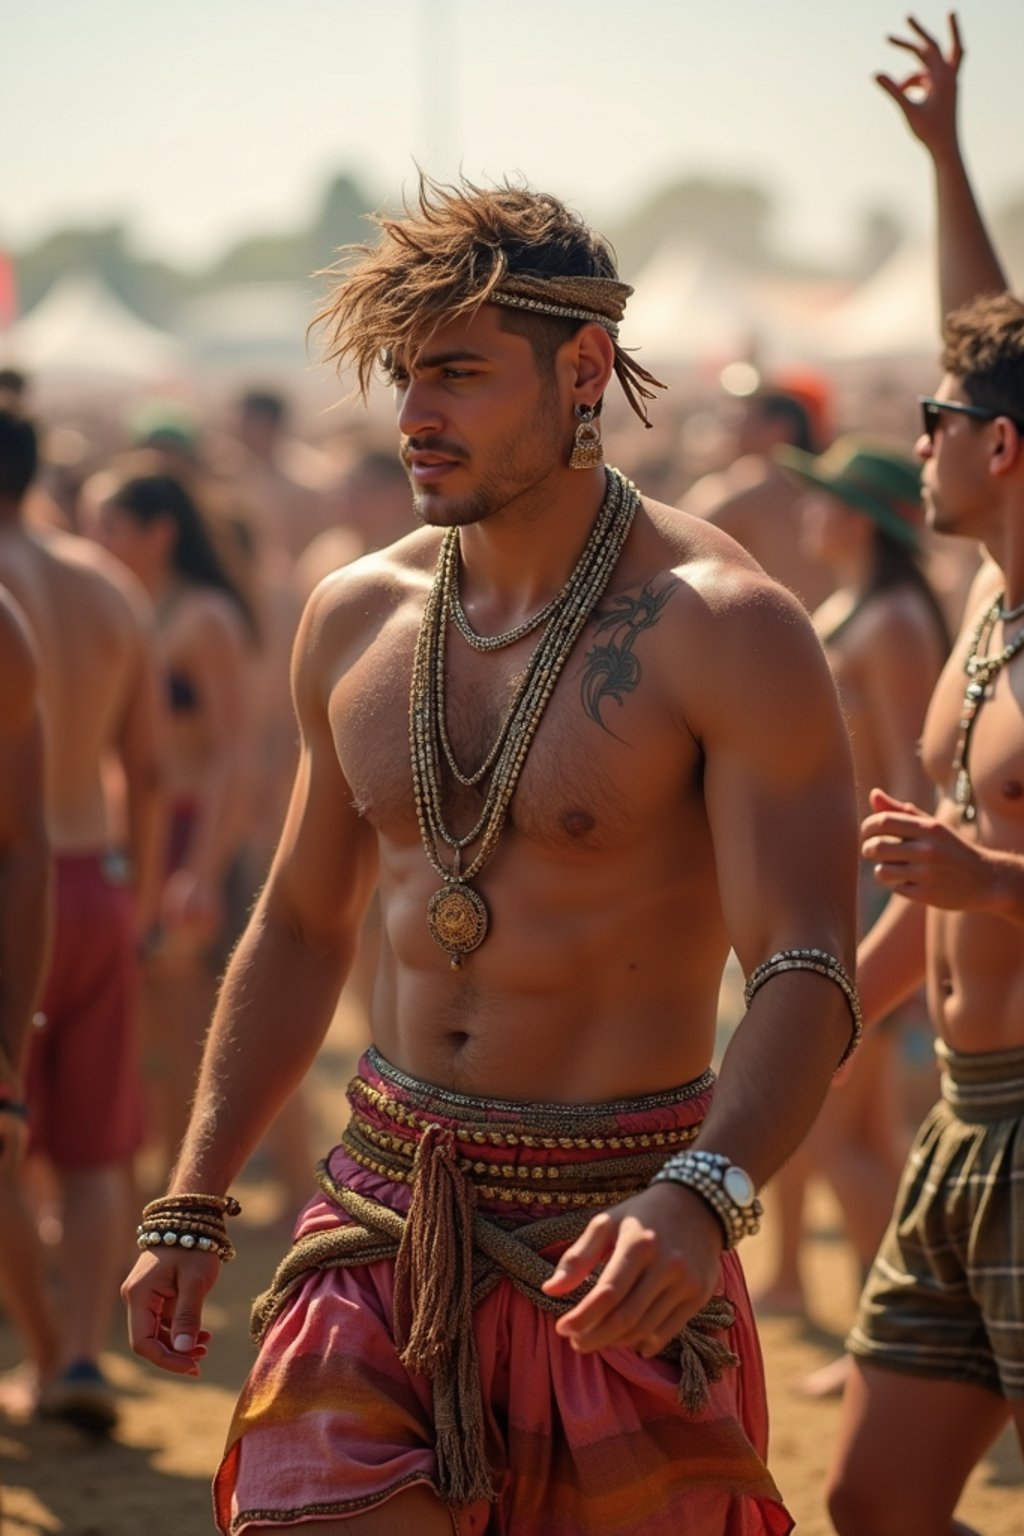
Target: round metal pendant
<point>457,919</point>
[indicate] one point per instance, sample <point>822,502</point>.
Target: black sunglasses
<point>931,411</point>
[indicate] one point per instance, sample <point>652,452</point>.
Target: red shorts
<point>83,1089</point>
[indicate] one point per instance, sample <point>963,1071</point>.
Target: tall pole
<point>438,148</point>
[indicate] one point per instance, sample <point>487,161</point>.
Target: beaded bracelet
<point>172,1237</point>
<point>189,1220</point>
<point>824,964</point>
<point>199,1228</point>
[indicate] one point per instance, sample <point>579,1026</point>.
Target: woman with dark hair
<point>206,633</point>
<point>886,639</point>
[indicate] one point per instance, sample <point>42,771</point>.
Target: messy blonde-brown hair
<point>448,254</point>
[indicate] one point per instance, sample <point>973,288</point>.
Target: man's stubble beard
<point>519,463</point>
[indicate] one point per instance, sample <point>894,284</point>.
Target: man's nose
<point>924,447</point>
<point>419,412</point>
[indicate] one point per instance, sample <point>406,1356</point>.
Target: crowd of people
<point>522,754</point>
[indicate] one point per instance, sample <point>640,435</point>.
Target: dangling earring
<point>587,449</point>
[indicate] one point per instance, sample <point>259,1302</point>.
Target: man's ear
<point>1007,446</point>
<point>588,361</point>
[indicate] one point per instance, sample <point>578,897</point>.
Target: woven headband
<point>601,300</point>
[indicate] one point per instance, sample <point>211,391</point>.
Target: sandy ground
<point>153,1475</point>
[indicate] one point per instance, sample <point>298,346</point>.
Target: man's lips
<point>429,466</point>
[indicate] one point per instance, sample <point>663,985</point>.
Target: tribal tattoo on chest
<point>611,669</point>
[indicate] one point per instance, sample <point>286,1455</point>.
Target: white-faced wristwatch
<point>723,1184</point>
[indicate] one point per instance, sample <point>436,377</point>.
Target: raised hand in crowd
<point>927,98</point>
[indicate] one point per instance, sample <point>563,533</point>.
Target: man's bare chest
<point>978,738</point>
<point>606,756</point>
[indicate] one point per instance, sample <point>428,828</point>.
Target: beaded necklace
<point>457,916</point>
<point>519,631</point>
<point>981,671</point>
<point>1007,615</point>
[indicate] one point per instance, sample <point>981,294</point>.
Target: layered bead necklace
<point>982,671</point>
<point>457,915</point>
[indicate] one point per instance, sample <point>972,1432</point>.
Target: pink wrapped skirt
<point>334,1420</point>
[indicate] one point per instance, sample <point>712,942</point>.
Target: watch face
<point>738,1185</point>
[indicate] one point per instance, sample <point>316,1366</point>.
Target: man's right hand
<point>927,98</point>
<point>164,1295</point>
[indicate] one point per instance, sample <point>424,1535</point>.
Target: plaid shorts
<point>945,1296</point>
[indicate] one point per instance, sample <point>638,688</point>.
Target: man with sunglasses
<point>938,1345</point>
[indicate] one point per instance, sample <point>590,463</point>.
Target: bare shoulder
<point>741,640</point>
<point>97,579</point>
<point>18,668</point>
<point>895,623</point>
<point>209,617</point>
<point>694,545</point>
<point>727,494</point>
<point>988,582</point>
<point>348,609</point>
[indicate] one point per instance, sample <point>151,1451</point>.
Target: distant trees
<point>735,217</point>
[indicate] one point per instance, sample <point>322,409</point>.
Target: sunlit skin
<point>198,635</point>
<point>971,475</point>
<point>96,681</point>
<point>645,835</point>
<point>24,867</point>
<point>759,506</point>
<point>958,928</point>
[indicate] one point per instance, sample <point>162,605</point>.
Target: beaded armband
<point>721,1184</point>
<point>189,1221</point>
<point>824,964</point>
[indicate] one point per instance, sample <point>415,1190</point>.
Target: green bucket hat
<point>870,477</point>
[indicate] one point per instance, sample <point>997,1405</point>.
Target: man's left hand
<point>660,1251</point>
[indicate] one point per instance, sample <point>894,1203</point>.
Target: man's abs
<point>976,980</point>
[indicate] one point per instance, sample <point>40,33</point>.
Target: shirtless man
<point>24,883</point>
<point>24,868</point>
<point>756,503</point>
<point>938,1365</point>
<point>81,1083</point>
<point>675,777</point>
<point>280,481</point>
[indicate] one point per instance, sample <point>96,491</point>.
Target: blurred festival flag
<point>8,291</point>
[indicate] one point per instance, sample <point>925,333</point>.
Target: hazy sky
<point>199,120</point>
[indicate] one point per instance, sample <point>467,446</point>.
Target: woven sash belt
<point>448,1257</point>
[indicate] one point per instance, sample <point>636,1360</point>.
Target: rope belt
<point>448,1257</point>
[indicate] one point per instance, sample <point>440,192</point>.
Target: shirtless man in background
<point>643,727</point>
<point>24,885</point>
<point>24,869</point>
<point>938,1346</point>
<point>754,502</point>
<point>97,684</point>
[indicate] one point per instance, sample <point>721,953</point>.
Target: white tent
<point>695,307</point>
<point>691,306</point>
<point>893,315</point>
<point>80,335</point>
<point>247,326</point>
<point>246,333</point>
